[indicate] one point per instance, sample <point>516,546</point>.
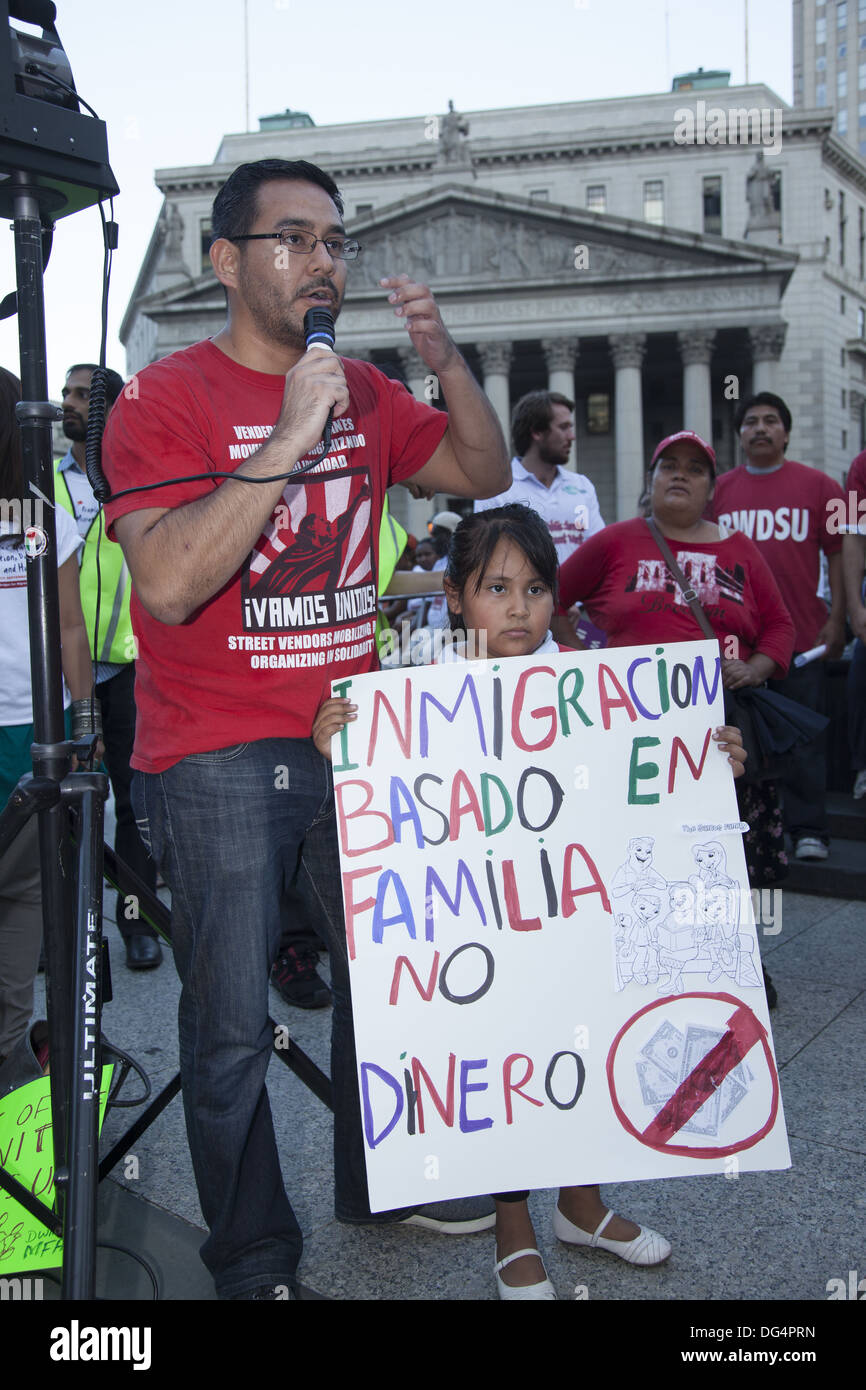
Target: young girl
<point>500,585</point>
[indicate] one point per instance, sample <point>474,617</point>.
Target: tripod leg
<point>82,1173</point>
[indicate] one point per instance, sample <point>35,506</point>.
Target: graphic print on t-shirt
<point>312,567</point>
<point>709,580</point>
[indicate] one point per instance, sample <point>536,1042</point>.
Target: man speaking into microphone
<point>248,599</point>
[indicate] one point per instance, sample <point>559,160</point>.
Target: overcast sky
<point>168,78</point>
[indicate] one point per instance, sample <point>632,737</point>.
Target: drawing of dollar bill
<point>705,1120</point>
<point>656,1086</point>
<point>699,1041</point>
<point>665,1050</point>
<point>732,1092</point>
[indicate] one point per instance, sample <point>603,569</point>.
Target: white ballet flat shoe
<point>544,1289</point>
<point>647,1248</point>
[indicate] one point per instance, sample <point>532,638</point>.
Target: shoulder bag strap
<point>688,593</point>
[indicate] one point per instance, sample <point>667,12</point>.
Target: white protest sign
<point>554,966</point>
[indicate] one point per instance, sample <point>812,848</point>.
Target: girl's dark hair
<point>478,535</point>
<point>11,479</point>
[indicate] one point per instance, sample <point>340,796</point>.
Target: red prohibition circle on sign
<point>691,1150</point>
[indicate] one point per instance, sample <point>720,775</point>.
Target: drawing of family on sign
<point>668,928</point>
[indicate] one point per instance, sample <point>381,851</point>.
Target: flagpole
<point>246,68</point>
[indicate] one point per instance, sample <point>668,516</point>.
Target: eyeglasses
<point>303,243</point>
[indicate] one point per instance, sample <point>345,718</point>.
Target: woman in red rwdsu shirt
<point>621,578</point>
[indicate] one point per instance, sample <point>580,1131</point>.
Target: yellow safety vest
<point>115,641</point>
<point>392,543</point>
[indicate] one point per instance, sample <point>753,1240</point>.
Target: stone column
<point>767,342</point>
<point>495,364</point>
<point>696,349</point>
<point>417,511</point>
<point>560,354</point>
<point>627,350</point>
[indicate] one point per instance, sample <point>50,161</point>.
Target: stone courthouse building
<point>653,257</point>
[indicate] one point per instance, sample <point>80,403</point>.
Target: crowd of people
<point>232,607</point>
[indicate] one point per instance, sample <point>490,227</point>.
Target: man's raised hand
<point>414,303</point>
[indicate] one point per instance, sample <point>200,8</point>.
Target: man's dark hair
<point>763,398</point>
<point>532,415</point>
<point>236,205</point>
<point>113,380</point>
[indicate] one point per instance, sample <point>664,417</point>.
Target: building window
<point>539,195</point>
<point>820,64</point>
<point>863,146</point>
<point>361,208</point>
<point>862,44</point>
<point>843,222</point>
<point>598,413</point>
<point>861,115</point>
<point>844,439</point>
<point>842,307</point>
<point>821,95</point>
<point>596,198</point>
<point>861,75</point>
<point>654,202</point>
<point>861,241</point>
<point>842,14</point>
<point>713,205</point>
<point>205,235</point>
<point>842,123</point>
<point>841,84</point>
<point>861,11</point>
<point>842,50</point>
<point>861,322</point>
<point>820,30</point>
<point>844,401</point>
<point>842,357</point>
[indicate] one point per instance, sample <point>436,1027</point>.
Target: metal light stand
<point>72,937</point>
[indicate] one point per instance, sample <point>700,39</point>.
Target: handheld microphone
<point>319,332</point>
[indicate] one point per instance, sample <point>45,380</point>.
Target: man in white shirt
<point>542,432</point>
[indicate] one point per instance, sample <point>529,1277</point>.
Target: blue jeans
<point>118,721</point>
<point>231,831</point>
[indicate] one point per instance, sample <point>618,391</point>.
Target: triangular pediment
<point>455,233</point>
<point>204,293</point>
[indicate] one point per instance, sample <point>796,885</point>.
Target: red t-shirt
<point>621,577</point>
<point>788,515</point>
<point>257,659</point>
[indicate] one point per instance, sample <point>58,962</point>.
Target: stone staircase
<point>843,874</point>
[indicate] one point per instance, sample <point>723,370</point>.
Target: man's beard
<point>75,430</point>
<point>280,322</point>
<point>548,454</point>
